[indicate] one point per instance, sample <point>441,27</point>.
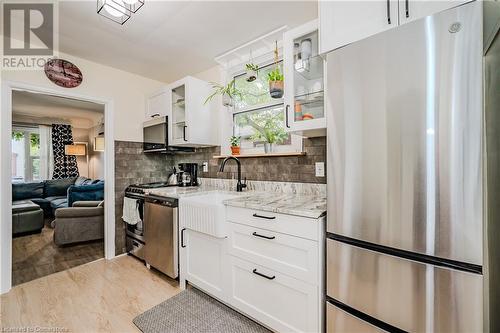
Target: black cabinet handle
<point>286,115</point>
<point>264,275</point>
<point>262,236</point>
<point>182,237</point>
<point>184,132</point>
<point>264,217</point>
<point>388,11</point>
<point>407,8</point>
<point>155,115</point>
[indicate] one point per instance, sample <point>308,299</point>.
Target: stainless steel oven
<point>134,233</point>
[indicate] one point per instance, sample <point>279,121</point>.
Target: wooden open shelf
<point>263,155</point>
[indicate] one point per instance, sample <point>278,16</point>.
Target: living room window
<point>259,118</point>
<point>25,154</point>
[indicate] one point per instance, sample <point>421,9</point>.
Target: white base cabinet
<point>270,267</point>
<point>202,262</point>
<point>277,300</point>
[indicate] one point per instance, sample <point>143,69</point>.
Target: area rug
<point>193,311</point>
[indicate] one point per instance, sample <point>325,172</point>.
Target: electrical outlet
<point>320,169</point>
<point>205,166</point>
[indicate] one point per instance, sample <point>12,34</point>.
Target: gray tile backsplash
<point>132,166</point>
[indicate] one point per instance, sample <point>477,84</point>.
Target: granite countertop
<point>182,192</point>
<point>179,192</point>
<point>311,206</point>
<point>285,203</point>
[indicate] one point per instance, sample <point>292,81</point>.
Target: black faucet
<point>240,186</point>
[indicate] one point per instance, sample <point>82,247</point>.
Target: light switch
<point>205,166</point>
<point>320,169</point>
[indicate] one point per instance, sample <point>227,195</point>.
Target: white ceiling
<point>166,40</point>
<point>41,108</point>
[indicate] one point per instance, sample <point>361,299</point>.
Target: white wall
<point>127,91</point>
<point>96,158</point>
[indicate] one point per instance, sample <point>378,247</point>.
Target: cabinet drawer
<point>337,320</point>
<point>404,293</point>
<point>283,303</point>
<point>287,224</point>
<point>294,256</point>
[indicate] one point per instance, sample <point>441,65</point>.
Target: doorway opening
<point>57,165</point>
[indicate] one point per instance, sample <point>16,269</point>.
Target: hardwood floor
<point>102,296</point>
<point>36,255</point>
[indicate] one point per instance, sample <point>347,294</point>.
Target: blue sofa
<point>58,193</point>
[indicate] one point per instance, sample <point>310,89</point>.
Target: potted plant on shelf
<point>228,93</point>
<point>252,72</point>
<point>235,144</point>
<point>276,85</point>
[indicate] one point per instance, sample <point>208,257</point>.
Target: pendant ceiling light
<point>118,11</point>
<point>131,6</point>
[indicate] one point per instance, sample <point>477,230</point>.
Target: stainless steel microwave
<point>155,139</point>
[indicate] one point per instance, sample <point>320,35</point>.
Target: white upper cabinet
<point>412,10</point>
<point>304,81</point>
<point>191,122</point>
<point>158,104</point>
<point>344,22</point>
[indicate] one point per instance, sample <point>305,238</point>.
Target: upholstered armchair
<point>84,221</point>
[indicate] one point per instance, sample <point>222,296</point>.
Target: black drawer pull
<point>262,236</point>
<point>182,237</point>
<point>264,275</point>
<point>264,217</point>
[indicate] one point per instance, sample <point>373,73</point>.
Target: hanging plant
<point>276,83</point>
<point>228,93</point>
<point>276,78</point>
<point>252,72</point>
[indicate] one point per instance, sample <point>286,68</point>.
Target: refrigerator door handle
<point>388,11</point>
<point>407,8</point>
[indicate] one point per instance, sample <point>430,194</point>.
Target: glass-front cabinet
<point>191,121</point>
<point>304,80</point>
<point>179,126</point>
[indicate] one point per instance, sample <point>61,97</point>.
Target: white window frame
<point>296,144</point>
<point>27,130</point>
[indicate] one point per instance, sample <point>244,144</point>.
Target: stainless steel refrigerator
<point>413,231</point>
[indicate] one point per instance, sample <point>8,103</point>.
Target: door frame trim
<point>6,171</point>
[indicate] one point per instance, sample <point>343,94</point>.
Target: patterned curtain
<point>65,166</point>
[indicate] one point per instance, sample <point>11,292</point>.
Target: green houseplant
<point>235,144</point>
<point>252,71</point>
<point>228,93</point>
<point>276,77</point>
<point>276,83</point>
